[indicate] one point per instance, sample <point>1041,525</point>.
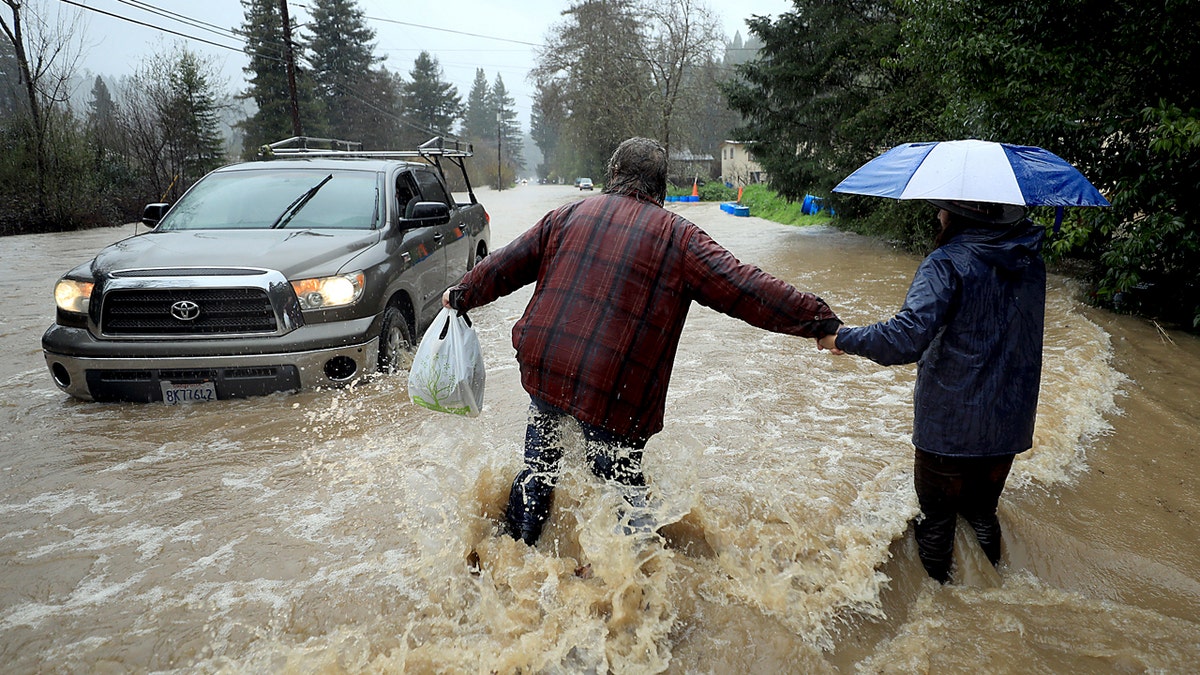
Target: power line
<point>187,20</point>
<point>456,32</point>
<point>439,29</point>
<point>152,26</point>
<point>234,33</point>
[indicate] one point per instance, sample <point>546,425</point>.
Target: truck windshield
<point>254,199</point>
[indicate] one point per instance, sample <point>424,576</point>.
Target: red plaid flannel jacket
<point>615,278</point>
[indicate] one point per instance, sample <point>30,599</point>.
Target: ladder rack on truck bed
<point>432,151</point>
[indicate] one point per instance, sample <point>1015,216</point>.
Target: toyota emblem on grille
<point>185,310</point>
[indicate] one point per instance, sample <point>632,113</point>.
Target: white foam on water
<point>53,504</point>
<point>90,594</point>
<point>1079,391</point>
<point>170,453</point>
<point>147,540</point>
<point>1023,619</point>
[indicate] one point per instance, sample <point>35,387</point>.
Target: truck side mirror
<point>153,213</point>
<point>427,213</point>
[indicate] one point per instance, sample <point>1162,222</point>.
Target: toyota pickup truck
<point>305,268</point>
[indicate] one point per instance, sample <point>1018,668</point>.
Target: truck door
<point>421,247</point>
<point>453,236</point>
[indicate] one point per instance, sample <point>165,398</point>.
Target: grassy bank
<point>763,203</point>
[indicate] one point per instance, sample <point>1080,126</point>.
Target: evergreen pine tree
<point>510,129</point>
<point>268,80</point>
<point>479,121</point>
<point>191,118</point>
<point>102,116</point>
<point>597,52</point>
<point>547,123</point>
<point>432,106</point>
<point>10,83</point>
<point>343,60</point>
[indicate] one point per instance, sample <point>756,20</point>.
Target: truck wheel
<point>395,343</point>
<point>480,253</point>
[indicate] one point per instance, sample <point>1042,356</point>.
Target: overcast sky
<point>503,35</point>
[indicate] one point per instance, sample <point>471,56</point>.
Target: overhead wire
<point>232,34</point>
<point>309,9</point>
<point>187,20</point>
<point>456,32</point>
<point>150,25</point>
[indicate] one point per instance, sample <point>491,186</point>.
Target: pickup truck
<point>305,268</point>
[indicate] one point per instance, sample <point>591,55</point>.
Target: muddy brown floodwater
<point>350,531</point>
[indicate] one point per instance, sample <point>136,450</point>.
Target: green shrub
<point>766,203</point>
<point>717,192</point>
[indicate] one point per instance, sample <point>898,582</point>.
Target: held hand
<point>446,299</point>
<point>829,342</point>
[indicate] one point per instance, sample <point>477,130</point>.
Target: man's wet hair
<point>638,167</point>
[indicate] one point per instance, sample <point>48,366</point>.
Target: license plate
<point>190,392</point>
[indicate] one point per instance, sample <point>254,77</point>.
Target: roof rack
<point>431,151</point>
<point>437,146</point>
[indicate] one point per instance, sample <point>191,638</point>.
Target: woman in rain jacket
<point>972,320</point>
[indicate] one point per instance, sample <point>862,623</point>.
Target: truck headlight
<point>328,292</point>
<point>73,296</point>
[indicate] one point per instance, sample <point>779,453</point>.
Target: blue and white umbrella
<point>974,171</point>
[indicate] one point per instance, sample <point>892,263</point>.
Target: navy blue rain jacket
<point>973,322</point>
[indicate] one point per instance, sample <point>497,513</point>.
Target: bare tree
<point>681,38</point>
<point>595,53</point>
<point>625,68</point>
<point>46,52</point>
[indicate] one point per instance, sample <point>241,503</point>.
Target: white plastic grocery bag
<point>447,372</point>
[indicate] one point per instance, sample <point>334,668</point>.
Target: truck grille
<point>145,385</point>
<point>218,311</point>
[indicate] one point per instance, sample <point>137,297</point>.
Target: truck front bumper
<point>100,370</point>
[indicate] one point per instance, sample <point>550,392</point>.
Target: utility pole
<point>499,128</point>
<point>297,130</point>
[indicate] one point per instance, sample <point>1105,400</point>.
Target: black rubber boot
<point>528,507</point>
<point>935,545</point>
<point>987,531</point>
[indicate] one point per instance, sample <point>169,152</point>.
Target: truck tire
<point>395,343</point>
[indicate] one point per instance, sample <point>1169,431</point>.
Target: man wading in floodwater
<point>615,274</point>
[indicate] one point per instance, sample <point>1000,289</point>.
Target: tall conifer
<point>268,80</point>
<point>343,63</point>
<point>431,105</point>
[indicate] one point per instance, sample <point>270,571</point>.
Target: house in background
<point>738,168</point>
<point>686,166</point>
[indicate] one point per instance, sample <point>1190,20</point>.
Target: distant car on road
<point>308,268</point>
<point>585,183</point>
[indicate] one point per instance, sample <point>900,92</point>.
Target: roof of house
<point>689,156</point>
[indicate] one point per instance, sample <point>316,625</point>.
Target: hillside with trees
<point>148,136</point>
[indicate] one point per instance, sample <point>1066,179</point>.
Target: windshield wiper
<point>298,203</point>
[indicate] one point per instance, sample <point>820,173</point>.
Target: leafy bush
<point>766,203</point>
<point>717,192</point>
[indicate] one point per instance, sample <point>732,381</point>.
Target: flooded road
<point>350,531</point>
